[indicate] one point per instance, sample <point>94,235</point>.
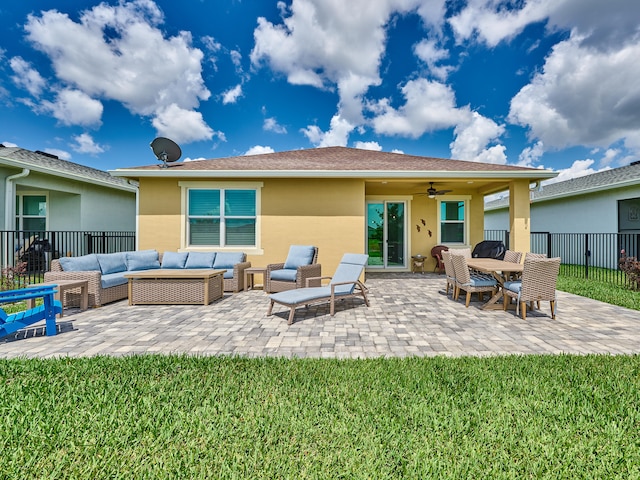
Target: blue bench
<point>10,323</point>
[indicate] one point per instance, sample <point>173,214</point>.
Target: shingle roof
<point>604,180</point>
<point>330,159</point>
<point>51,165</point>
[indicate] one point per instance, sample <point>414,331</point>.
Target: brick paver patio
<point>409,316</point>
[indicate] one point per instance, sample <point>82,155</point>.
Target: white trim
<point>66,174</point>
<point>19,205</point>
<point>454,198</point>
<point>363,174</point>
<point>220,185</point>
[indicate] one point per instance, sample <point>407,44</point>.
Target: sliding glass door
<point>386,234</point>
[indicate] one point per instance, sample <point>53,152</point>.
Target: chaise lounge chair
<point>345,283</point>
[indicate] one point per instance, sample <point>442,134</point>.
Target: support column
<point>519,216</point>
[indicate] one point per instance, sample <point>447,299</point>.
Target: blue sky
<point>541,83</point>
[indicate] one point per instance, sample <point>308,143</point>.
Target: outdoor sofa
<point>105,272</point>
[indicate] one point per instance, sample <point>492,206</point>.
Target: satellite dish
<point>165,150</point>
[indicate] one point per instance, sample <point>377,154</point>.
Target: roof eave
<point>575,193</point>
<point>67,175</point>
<point>164,173</point>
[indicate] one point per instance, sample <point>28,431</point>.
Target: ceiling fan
<point>432,192</point>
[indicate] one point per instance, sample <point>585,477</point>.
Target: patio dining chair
<point>344,284</point>
<point>513,257</point>
<point>471,283</point>
<point>538,282</point>
<point>449,273</point>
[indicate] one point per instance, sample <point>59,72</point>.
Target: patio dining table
<point>500,270</point>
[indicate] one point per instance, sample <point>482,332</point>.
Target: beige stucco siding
<point>159,214</point>
<point>326,213</point>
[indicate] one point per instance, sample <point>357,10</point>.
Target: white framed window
<point>453,220</point>
<point>31,211</point>
<point>221,215</point>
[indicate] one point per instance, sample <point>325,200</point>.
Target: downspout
<point>137,185</point>
<point>9,207</point>
<point>10,196</point>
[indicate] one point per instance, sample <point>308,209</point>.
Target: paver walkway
<point>409,315</point>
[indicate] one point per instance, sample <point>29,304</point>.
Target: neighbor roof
<point>332,162</point>
<point>52,165</point>
<point>606,180</point>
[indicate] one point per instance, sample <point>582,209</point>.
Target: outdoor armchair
<point>345,283</point>
<point>436,253</point>
<point>294,271</point>
<point>538,282</point>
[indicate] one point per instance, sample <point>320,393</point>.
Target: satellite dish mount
<point>165,150</point>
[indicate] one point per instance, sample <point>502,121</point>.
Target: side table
<point>64,285</point>
<point>417,263</point>
<point>249,280</point>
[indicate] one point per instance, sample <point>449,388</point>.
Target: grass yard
<point>219,417</point>
<point>600,290</point>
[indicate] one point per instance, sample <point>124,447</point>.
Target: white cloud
<point>429,52</point>
<point>579,168</point>
<point>136,65</point>
<point>431,106</point>
<point>271,125</point>
<point>259,150</point>
<point>428,106</point>
<point>491,22</point>
<point>583,96</point>
<point>530,155</point>
<point>74,107</point>
<point>9,144</point>
<point>181,125</point>
<point>472,138</point>
<point>337,135</point>
<point>84,143</point>
<point>26,76</point>
<point>232,95</point>
<point>375,146</point>
<point>334,44</point>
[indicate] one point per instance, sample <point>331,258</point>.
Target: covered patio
<point>410,315</point>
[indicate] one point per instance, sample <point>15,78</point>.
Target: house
<point>603,202</point>
<point>339,199</point>
<point>43,193</point>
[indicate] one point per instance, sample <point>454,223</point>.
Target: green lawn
<point>574,417</point>
<point>219,417</point>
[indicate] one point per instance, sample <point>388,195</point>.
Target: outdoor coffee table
<point>63,286</point>
<point>175,287</point>
<point>249,277</point>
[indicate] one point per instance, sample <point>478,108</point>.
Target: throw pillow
<point>200,260</point>
<point>174,259</point>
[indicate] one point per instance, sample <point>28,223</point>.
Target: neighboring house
<point>594,206</point>
<point>339,199</point>
<point>41,192</point>
<point>603,202</point>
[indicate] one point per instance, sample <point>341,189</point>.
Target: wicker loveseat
<point>105,272</point>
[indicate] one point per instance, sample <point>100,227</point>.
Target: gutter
<point>10,198</point>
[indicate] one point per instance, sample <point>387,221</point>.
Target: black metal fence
<point>34,250</point>
<point>584,255</point>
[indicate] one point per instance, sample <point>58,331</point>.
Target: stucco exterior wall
<point>327,213</point>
